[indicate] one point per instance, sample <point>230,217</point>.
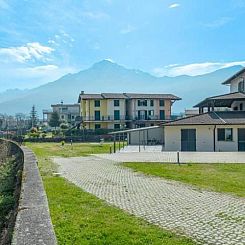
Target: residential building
<point>125,110</point>
<point>220,128</point>
<point>69,113</point>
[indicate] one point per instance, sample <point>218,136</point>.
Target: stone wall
<point>12,157</point>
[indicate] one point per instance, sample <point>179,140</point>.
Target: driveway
<point>207,217</point>
<point>185,157</point>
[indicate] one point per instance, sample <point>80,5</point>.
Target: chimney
<point>82,92</point>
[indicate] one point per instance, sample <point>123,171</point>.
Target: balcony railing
<point>127,118</point>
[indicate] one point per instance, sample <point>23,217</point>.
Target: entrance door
<point>188,139</point>
<point>241,139</point>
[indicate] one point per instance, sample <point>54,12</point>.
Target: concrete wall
<point>156,134</point>
<point>204,138</point>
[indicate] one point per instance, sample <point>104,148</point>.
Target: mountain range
<point>106,76</point>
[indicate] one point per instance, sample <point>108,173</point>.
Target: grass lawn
<point>81,218</point>
<point>229,178</point>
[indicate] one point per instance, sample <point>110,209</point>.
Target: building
<point>220,128</point>
<point>125,110</point>
<point>69,113</point>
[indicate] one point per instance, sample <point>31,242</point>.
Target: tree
<point>33,116</point>
<point>54,120</point>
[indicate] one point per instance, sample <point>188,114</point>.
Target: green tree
<point>54,120</point>
<point>33,117</point>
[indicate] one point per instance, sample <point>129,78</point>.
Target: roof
<point>114,96</point>
<point>212,118</point>
<point>152,96</point>
<point>127,96</point>
<point>134,130</point>
<point>222,100</point>
<point>228,81</point>
<point>68,105</point>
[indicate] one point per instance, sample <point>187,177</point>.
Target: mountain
<point>106,76</point>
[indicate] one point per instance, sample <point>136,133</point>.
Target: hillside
<point>105,76</point>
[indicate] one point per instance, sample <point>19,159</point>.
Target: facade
<point>69,113</point>
<point>211,131</point>
<point>118,111</point>
<point>220,128</point>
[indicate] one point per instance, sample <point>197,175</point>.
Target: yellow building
<point>125,110</point>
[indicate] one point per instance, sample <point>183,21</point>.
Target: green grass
<point>81,218</point>
<point>228,178</point>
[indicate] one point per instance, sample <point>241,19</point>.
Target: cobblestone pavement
<point>185,157</point>
<point>207,217</point>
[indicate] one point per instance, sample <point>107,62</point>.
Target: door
<point>188,139</point>
<point>241,139</point>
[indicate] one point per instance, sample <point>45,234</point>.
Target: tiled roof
<point>229,97</point>
<point>228,81</point>
<point>114,96</point>
<point>127,96</point>
<point>211,118</point>
<point>152,96</point>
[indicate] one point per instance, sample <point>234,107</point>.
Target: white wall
<point>234,83</point>
<point>111,107</point>
<point>204,137</point>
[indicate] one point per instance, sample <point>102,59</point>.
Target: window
<point>152,102</point>
<point>161,103</point>
<point>97,103</point>
<point>151,113</point>
<point>116,115</point>
<point>241,107</point>
<point>97,126</point>
<point>142,102</point>
<point>241,86</point>
<point>116,126</point>
<point>116,103</point>
<point>97,115</point>
<point>162,115</point>
<point>62,117</point>
<point>225,134</point>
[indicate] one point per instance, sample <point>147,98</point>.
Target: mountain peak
<point>104,63</point>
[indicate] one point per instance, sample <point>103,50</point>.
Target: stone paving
<point>207,217</point>
<point>171,157</point>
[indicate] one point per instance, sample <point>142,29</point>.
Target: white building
<point>221,128</point>
<point>68,113</point>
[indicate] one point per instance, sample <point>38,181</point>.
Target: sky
<point>42,40</point>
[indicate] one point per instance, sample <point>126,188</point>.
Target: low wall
<point>33,222</point>
<point>12,157</point>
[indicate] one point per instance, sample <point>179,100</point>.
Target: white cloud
<point>110,59</point>
<point>194,69</point>
<point>219,22</point>
<point>128,29</point>
<point>25,53</point>
<point>3,4</point>
<point>174,5</point>
<point>95,15</point>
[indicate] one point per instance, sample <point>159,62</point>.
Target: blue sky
<point>43,40</point>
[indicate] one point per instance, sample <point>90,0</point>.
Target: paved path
<point>209,217</point>
<point>185,157</point>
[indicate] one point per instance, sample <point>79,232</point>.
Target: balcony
<point>104,118</point>
<point>127,118</point>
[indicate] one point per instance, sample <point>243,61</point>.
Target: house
<point>118,111</point>
<point>220,126</point>
<point>69,113</point>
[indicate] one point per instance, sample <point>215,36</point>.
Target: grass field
<point>81,218</point>
<point>228,178</point>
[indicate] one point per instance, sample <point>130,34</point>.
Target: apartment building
<point>69,113</point>
<point>125,110</point>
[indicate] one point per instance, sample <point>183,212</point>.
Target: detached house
<point>220,126</point>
